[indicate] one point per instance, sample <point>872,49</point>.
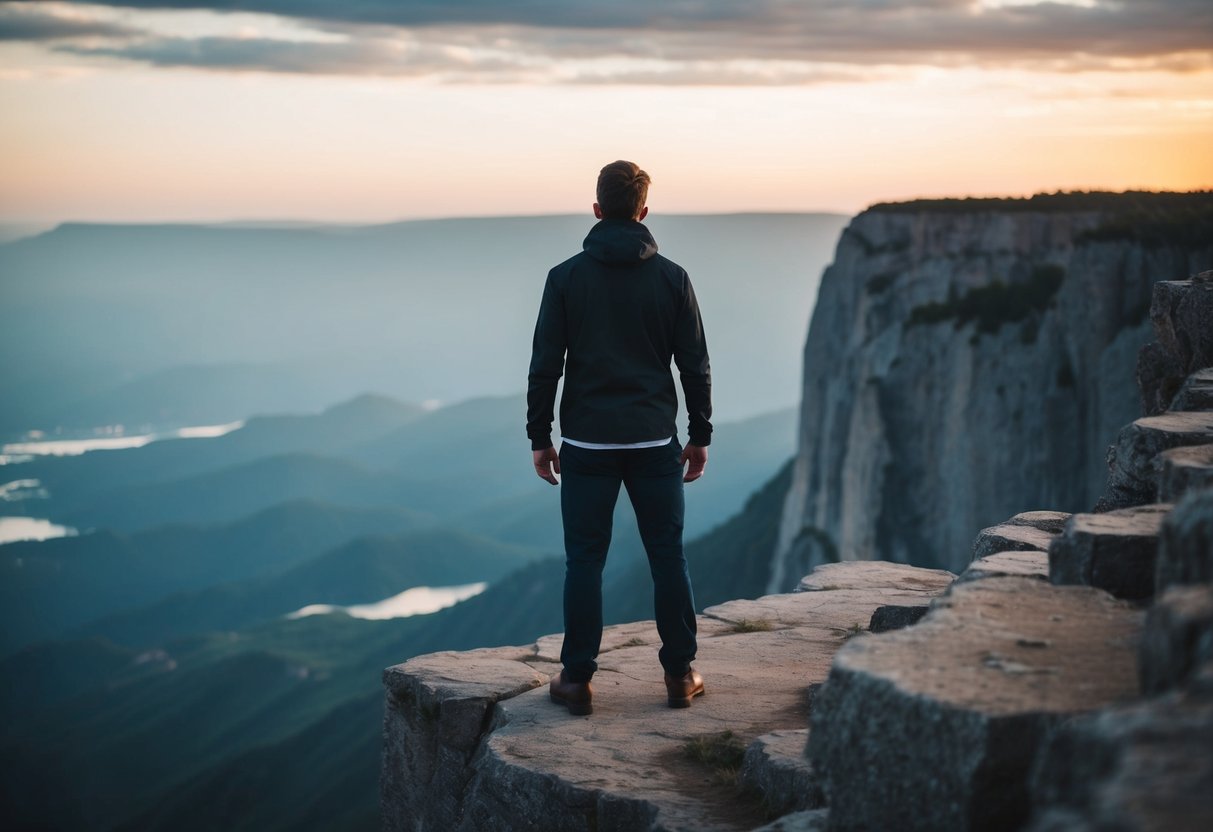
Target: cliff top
<point>1058,201</point>
<point>475,743</point>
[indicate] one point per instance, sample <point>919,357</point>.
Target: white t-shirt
<point>600,446</point>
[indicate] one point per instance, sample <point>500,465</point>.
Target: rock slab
<point>1185,545</point>
<point>1134,463</point>
<point>936,726</point>
<point>1142,768</point>
<point>476,744</point>
<point>1115,550</point>
<point>1178,638</point>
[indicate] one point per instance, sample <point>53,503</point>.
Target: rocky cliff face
<point>968,360</point>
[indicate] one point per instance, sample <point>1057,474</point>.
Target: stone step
<point>1026,564</point>
<point>1115,550</point>
<point>474,744</point>
<point>1181,312</point>
<point>1011,537</point>
<point>1183,470</point>
<point>776,767</point>
<point>936,726</point>
<point>1147,767</point>
<point>1197,391</point>
<point>1134,466</point>
<point>1177,639</point>
<point>1047,521</point>
<point>875,575</point>
<point>1185,546</point>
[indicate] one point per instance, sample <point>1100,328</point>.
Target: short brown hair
<point>622,190</point>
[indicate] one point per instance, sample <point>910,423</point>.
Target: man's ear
<point>644,212</point>
<point>597,211</point>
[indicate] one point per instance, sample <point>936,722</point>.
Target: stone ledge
<point>1139,768</point>
<point>1023,564</point>
<point>935,726</point>
<point>1115,550</point>
<point>1134,466</point>
<point>533,766</point>
<point>776,767</point>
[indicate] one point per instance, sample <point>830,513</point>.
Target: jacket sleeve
<point>547,366</point>
<point>691,356</point>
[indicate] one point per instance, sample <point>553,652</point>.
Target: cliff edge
<point>969,358</point>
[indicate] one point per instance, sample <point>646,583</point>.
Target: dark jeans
<point>589,488</point>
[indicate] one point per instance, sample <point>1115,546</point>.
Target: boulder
<point>1185,546</point>
<point>879,575</point>
<point>1134,466</point>
<point>475,743</point>
<point>1010,537</point>
<point>1116,550</point>
<point>437,707</point>
<point>1177,638</point>
<point>1181,312</point>
<point>895,616</point>
<point>1025,564</point>
<point>935,726</point>
<point>1145,767</point>
<point>1184,470</point>
<point>1196,392</point>
<point>776,767</point>
<point>1047,521</point>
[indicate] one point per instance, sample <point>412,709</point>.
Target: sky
<point>380,110</point>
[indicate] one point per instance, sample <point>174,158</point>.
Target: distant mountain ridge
<point>294,318</point>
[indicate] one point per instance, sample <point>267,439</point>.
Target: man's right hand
<point>697,455</point>
<point>545,461</point>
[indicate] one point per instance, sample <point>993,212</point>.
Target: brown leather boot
<point>682,689</point>
<point>576,696</point>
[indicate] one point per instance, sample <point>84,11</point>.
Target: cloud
<point>407,58</point>
<point>690,41</point>
<point>23,23</point>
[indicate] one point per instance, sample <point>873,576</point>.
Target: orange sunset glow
<point>376,111</point>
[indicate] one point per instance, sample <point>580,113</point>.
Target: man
<point>620,311</point>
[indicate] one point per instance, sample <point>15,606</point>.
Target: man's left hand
<point>545,461</point>
<point>697,456</point>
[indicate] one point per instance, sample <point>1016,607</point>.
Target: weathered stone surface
<point>776,767</point>
<point>631,634</point>
<point>1134,466</point>
<point>1184,470</point>
<point>812,820</point>
<point>1185,545</point>
<point>935,726</point>
<point>1181,313</point>
<point>1177,638</point>
<point>1047,521</point>
<point>1196,392</point>
<point>877,575</point>
<point>1026,564</point>
<point>889,464</point>
<point>1116,550</point>
<point>436,710</point>
<point>895,616</point>
<point>1143,768</point>
<point>626,767</point>
<point>1007,537</point>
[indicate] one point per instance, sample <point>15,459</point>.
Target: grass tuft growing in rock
<point>723,753</point>
<point>753,625</point>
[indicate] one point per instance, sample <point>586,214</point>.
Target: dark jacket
<point>621,311</point>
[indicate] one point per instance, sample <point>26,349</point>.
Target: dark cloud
<point>679,41</point>
<point>29,23</point>
<point>353,57</point>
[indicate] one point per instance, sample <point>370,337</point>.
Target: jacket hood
<point>619,242</point>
